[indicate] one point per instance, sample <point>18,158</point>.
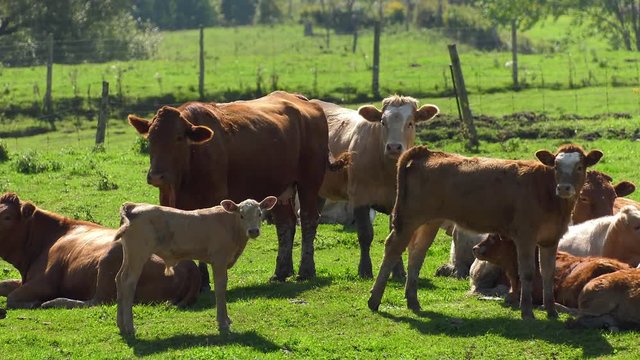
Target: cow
<point>616,236</point>
<point>375,138</point>
<point>611,300</point>
<point>622,202</point>
<point>277,144</point>
<point>570,276</point>
<point>528,201</point>
<point>597,199</point>
<point>72,263</point>
<point>216,235</point>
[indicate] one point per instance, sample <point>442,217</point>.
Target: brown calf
<point>599,196</point>
<point>529,201</point>
<point>67,263</point>
<point>217,235</point>
<point>375,138</point>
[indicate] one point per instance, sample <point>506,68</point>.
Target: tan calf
<point>216,235</point>
<point>528,201</point>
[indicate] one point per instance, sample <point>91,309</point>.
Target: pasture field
<point>324,318</point>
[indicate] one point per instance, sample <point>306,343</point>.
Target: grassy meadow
<point>323,318</point>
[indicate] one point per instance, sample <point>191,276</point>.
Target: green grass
<point>323,318</point>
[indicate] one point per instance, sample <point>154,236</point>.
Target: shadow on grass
<point>142,347</point>
<point>592,343</point>
<point>266,290</point>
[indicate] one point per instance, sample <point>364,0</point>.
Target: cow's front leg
<point>8,286</point>
<point>526,266</point>
<point>547,270</point>
<point>32,293</point>
<point>220,279</point>
<point>365,238</point>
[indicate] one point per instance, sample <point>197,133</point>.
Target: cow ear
<point>27,209</point>
<point>624,188</point>
<point>546,157</point>
<point>593,157</point>
<point>426,112</point>
<point>268,203</point>
<point>199,134</point>
<point>370,112</point>
<point>141,125</point>
<point>229,206</point>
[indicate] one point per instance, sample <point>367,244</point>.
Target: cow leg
<point>204,277</point>
<point>397,273</point>
<point>285,219</point>
<point>309,218</point>
<point>421,240</point>
<point>32,293</point>
<point>8,286</point>
<point>547,270</point>
<point>133,261</point>
<point>526,266</point>
<point>365,238</point>
<point>394,246</point>
<point>220,287</point>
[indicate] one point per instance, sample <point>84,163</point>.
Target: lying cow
<point>616,236</point>
<point>375,138</point>
<point>530,202</point>
<point>597,198</point>
<point>611,300</point>
<point>571,273</point>
<point>216,235</point>
<point>67,263</point>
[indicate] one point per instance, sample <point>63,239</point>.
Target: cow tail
<point>125,216</point>
<point>339,163</point>
<point>405,162</point>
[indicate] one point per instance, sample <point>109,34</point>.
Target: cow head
<point>570,164</point>
<point>14,216</point>
<point>597,196</point>
<point>493,248</point>
<point>250,213</point>
<point>398,118</point>
<point>170,137</point>
<point>629,225</point>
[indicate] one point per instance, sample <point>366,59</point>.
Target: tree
<point>238,12</point>
<point>617,20</point>
<point>519,15</point>
<point>176,14</point>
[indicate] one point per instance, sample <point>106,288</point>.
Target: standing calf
<point>216,235</point>
<point>529,201</point>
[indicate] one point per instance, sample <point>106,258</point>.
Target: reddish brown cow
<point>622,202</point>
<point>528,201</point>
<point>273,145</point>
<point>598,197</point>
<point>67,263</point>
<point>375,138</point>
<point>571,274</point>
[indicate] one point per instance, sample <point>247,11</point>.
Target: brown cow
<point>280,140</point>
<point>375,138</point>
<point>529,201</point>
<point>622,202</point>
<point>571,273</point>
<point>599,196</point>
<point>611,300</point>
<point>75,262</point>
<point>217,235</point>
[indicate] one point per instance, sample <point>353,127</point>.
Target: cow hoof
<point>400,277</point>
<point>365,273</point>
<point>3,313</point>
<point>373,304</point>
<point>305,277</point>
<point>552,314</point>
<point>277,278</point>
<point>128,331</point>
<point>413,304</point>
<point>527,315</point>
<point>445,270</point>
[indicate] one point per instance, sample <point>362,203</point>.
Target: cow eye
<point>584,199</point>
<point>410,125</point>
<point>580,168</point>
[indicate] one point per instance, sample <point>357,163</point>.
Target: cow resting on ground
<point>280,140</point>
<point>597,199</point>
<point>216,235</point>
<point>616,237</point>
<point>533,208</point>
<point>375,138</point>
<point>68,263</point>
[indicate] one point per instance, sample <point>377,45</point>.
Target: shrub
<point>141,145</point>
<point>467,24</point>
<point>4,152</point>
<point>105,183</point>
<point>30,163</point>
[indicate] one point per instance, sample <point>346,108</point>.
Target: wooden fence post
<point>48,101</point>
<point>201,78</point>
<point>104,113</point>
<point>461,94</point>
<point>375,83</point>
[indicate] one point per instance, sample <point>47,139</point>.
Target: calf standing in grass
<point>216,235</point>
<point>529,201</point>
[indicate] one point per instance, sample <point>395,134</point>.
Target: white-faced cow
<point>375,138</point>
<point>528,201</point>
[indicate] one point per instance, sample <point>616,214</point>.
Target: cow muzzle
<point>565,191</point>
<point>478,251</point>
<point>156,179</point>
<point>253,233</point>
<point>393,150</point>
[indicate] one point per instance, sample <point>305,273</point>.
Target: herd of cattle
<point>508,218</point>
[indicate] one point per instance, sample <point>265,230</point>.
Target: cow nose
<point>155,179</point>
<point>477,251</point>
<point>565,190</point>
<point>394,148</point>
<point>254,233</point>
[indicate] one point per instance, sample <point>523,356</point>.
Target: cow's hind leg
<point>285,219</point>
<point>309,218</point>
<point>420,242</point>
<point>365,238</point>
<point>397,273</point>
<point>126,281</point>
<point>205,286</point>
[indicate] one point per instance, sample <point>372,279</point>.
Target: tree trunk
<point>514,53</point>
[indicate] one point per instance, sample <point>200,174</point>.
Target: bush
<point>4,151</point>
<point>466,24</point>
<point>141,145</point>
<point>105,183</point>
<point>30,163</point>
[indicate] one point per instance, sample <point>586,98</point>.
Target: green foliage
<point>141,145</point>
<point>238,12</point>
<point>468,25</point>
<point>4,151</point>
<point>268,12</point>
<point>32,163</point>
<point>105,183</point>
<point>176,14</point>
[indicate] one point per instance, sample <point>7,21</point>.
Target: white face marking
<point>567,162</point>
<point>395,119</point>
<point>251,216</point>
